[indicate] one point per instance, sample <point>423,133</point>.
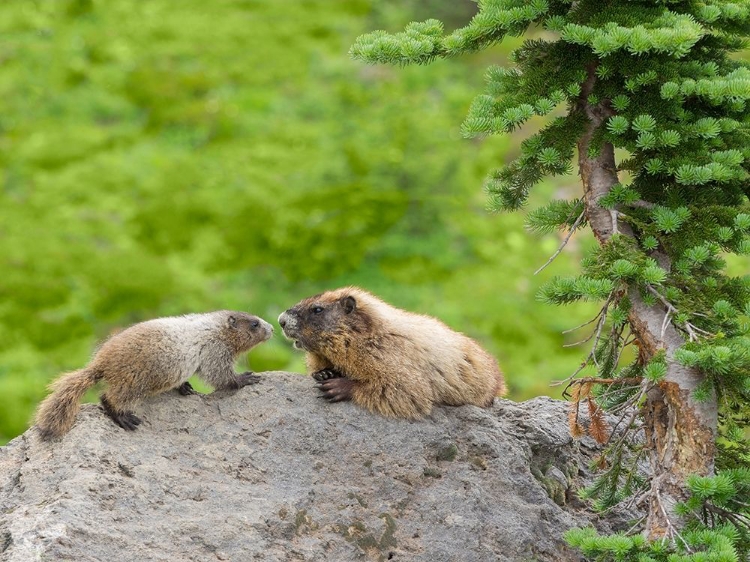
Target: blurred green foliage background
<point>162,157</point>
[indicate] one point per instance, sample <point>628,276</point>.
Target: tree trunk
<point>680,432</point>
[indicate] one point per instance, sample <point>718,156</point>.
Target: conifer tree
<point>656,80</point>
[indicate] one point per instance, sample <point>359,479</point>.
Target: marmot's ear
<point>349,303</point>
<point>232,321</point>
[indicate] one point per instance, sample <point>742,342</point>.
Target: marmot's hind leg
<point>124,418</point>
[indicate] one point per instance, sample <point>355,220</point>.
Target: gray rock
<point>273,473</point>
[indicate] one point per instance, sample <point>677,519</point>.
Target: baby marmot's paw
<point>336,390</point>
<point>186,389</point>
<point>326,374</point>
<point>247,378</point>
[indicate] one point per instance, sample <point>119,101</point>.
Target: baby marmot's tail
<point>57,412</point>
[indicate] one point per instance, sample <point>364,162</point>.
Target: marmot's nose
<point>282,321</point>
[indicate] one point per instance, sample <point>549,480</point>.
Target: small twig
<point>636,409</point>
<point>672,530</point>
<point>584,340</point>
<point>632,401</point>
<point>641,204</point>
<point>692,330</point>
<point>691,334</point>
<point>638,500</point>
<point>622,347</point>
<point>636,524</point>
<point>699,330</point>
<point>665,323</point>
<point>602,316</point>
<point>573,228</point>
<point>582,325</point>
<point>613,390</point>
<point>571,377</point>
<point>665,302</point>
<point>596,380</point>
<point>613,213</point>
<point>671,310</point>
<point>625,344</point>
<point>600,327</point>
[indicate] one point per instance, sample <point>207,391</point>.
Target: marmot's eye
<point>317,309</point>
<point>255,324</point>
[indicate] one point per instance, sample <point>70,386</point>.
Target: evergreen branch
<point>422,42</point>
<point>738,519</point>
<point>573,228</point>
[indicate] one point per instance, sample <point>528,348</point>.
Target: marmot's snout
<point>289,326</point>
<point>267,328</point>
<point>287,322</point>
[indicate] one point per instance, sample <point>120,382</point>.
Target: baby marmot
<point>153,357</point>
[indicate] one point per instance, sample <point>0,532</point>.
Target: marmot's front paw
<point>186,389</point>
<point>326,374</point>
<point>337,390</point>
<point>247,378</point>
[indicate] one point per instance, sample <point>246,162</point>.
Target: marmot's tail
<point>57,412</point>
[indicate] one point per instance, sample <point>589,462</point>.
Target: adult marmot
<point>390,361</point>
<point>153,357</point>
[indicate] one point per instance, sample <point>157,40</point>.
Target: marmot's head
<point>318,322</point>
<point>243,331</point>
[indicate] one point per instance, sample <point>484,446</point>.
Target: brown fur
<point>395,363</point>
<point>152,357</point>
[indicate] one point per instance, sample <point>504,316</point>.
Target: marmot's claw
<point>128,421</point>
<point>247,378</point>
<point>337,390</point>
<point>326,374</point>
<point>186,389</point>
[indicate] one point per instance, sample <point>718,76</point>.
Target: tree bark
<point>680,432</point>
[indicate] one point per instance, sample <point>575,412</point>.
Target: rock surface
<point>273,473</point>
